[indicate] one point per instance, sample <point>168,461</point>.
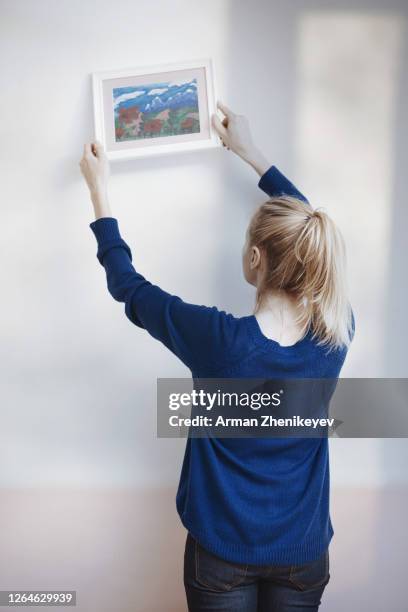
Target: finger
<point>225,109</point>
<point>97,148</point>
<point>87,149</point>
<point>219,127</point>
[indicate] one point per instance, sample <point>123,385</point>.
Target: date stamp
<point>37,598</point>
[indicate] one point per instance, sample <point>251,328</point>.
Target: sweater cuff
<point>105,228</point>
<point>268,178</point>
<point>106,231</point>
<point>274,183</point>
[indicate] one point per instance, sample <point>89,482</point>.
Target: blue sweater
<point>247,500</point>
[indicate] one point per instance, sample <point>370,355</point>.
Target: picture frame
<point>155,110</point>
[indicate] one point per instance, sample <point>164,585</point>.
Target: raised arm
<point>235,135</point>
<point>202,337</point>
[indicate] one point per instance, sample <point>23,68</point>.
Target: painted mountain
<point>156,109</point>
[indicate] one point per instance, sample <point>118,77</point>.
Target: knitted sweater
<point>247,500</point>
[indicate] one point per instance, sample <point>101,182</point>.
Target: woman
<point>256,510</point>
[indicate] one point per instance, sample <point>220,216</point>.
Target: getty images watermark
<point>223,399</point>
<point>315,408</point>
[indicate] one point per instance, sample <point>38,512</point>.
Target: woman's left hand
<point>95,169</point>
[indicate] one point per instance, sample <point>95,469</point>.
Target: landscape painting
<point>156,109</point>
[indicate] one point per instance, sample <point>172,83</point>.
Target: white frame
<point>137,152</point>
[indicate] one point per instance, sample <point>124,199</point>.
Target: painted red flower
<point>153,126</point>
<point>187,124</point>
<point>128,113</point>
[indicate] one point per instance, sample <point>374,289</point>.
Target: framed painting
<point>155,109</point>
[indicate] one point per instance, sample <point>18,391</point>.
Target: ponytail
<point>305,256</point>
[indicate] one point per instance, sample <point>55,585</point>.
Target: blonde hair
<point>305,256</point>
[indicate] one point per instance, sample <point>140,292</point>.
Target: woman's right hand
<point>235,135</point>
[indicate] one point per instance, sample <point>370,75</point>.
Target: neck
<point>278,298</point>
<point>277,317</point>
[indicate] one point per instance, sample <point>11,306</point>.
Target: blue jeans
<point>220,586</point>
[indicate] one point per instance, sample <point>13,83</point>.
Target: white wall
<point>324,87</point>
<point>78,379</point>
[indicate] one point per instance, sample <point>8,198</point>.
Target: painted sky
<point>155,97</point>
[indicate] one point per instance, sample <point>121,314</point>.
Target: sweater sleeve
<point>274,183</point>
<point>201,336</point>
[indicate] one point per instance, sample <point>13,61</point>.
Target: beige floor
<point>96,543</point>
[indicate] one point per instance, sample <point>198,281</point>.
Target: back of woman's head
<point>304,255</point>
